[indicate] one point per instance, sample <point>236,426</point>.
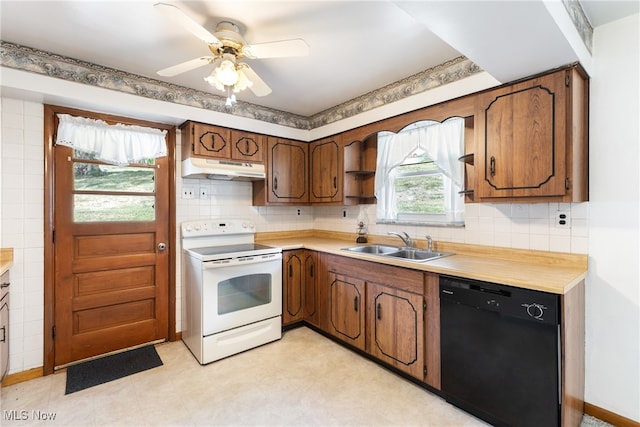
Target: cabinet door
<point>325,171</point>
<point>396,325</point>
<point>293,282</point>
<point>247,147</point>
<point>310,296</point>
<point>211,141</point>
<point>523,128</point>
<point>287,171</point>
<point>347,316</point>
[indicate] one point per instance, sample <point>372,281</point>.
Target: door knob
<point>162,246</point>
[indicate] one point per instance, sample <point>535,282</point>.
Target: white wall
<point>613,284</point>
<point>22,207</point>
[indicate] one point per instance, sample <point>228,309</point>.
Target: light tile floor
<point>302,380</point>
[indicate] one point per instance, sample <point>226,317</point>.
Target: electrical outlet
<point>204,192</point>
<point>562,219</point>
<point>188,192</point>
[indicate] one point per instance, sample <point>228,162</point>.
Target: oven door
<point>240,292</point>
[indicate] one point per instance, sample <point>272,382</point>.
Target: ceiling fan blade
<point>188,23</point>
<point>279,49</point>
<point>186,66</point>
<point>258,87</point>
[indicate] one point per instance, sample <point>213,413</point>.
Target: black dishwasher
<point>500,350</point>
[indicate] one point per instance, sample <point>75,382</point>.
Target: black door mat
<point>109,368</point>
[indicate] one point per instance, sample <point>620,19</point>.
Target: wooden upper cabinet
<point>532,140</point>
<point>247,147</point>
<point>215,142</point>
<point>209,141</point>
<point>287,174</point>
<point>325,166</point>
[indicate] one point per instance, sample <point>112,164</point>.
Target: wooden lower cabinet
<point>346,309</point>
<point>299,286</point>
<point>376,308</point>
<point>396,326</point>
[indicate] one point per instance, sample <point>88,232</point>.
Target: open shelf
<point>360,171</point>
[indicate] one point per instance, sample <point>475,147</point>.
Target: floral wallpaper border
<point>45,63</point>
<point>580,21</point>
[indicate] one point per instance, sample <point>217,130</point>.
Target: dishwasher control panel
<point>505,300</point>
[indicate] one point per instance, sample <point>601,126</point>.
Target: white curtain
<point>117,144</point>
<point>443,142</point>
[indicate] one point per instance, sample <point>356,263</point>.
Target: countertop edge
<point>552,278</point>
<point>6,259</point>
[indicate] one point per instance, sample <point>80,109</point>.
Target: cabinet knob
<point>275,182</point>
<point>492,166</point>
<point>379,311</point>
<point>355,303</point>
<point>335,182</point>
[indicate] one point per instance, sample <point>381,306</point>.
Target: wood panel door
<point>395,322</point>
<point>293,282</point>
<point>347,305</point>
<point>311,312</point>
<point>325,166</point>
<point>111,229</point>
<point>524,135</point>
<point>287,175</point>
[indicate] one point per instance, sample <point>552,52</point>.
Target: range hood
<point>226,170</point>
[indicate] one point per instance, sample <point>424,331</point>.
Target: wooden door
<point>397,328</point>
<point>211,141</point>
<point>325,168</point>
<point>347,317</point>
<point>288,173</point>
<point>293,282</point>
<point>111,228</point>
<point>524,132</point>
<point>311,313</point>
<point>247,147</point>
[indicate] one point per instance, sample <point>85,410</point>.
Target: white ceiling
<point>356,46</point>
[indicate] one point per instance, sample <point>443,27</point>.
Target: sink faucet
<point>404,236</point>
<point>429,244</point>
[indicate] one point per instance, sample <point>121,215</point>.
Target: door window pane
<point>99,177</point>
<point>101,207</point>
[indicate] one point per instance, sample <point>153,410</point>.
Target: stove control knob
<point>198,227</point>
<point>188,229</point>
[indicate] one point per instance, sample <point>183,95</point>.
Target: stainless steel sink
<point>409,254</point>
<point>417,254</point>
<point>373,249</point>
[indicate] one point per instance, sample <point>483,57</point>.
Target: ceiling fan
<point>227,47</point>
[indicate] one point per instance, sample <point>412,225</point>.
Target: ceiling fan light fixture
<point>243,81</point>
<point>226,73</point>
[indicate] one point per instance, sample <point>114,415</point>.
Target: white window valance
<point>117,144</point>
<point>443,142</point>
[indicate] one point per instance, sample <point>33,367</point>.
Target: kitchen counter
<point>6,259</point>
<point>543,271</point>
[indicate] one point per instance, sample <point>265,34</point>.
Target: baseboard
<point>19,377</point>
<point>608,416</point>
